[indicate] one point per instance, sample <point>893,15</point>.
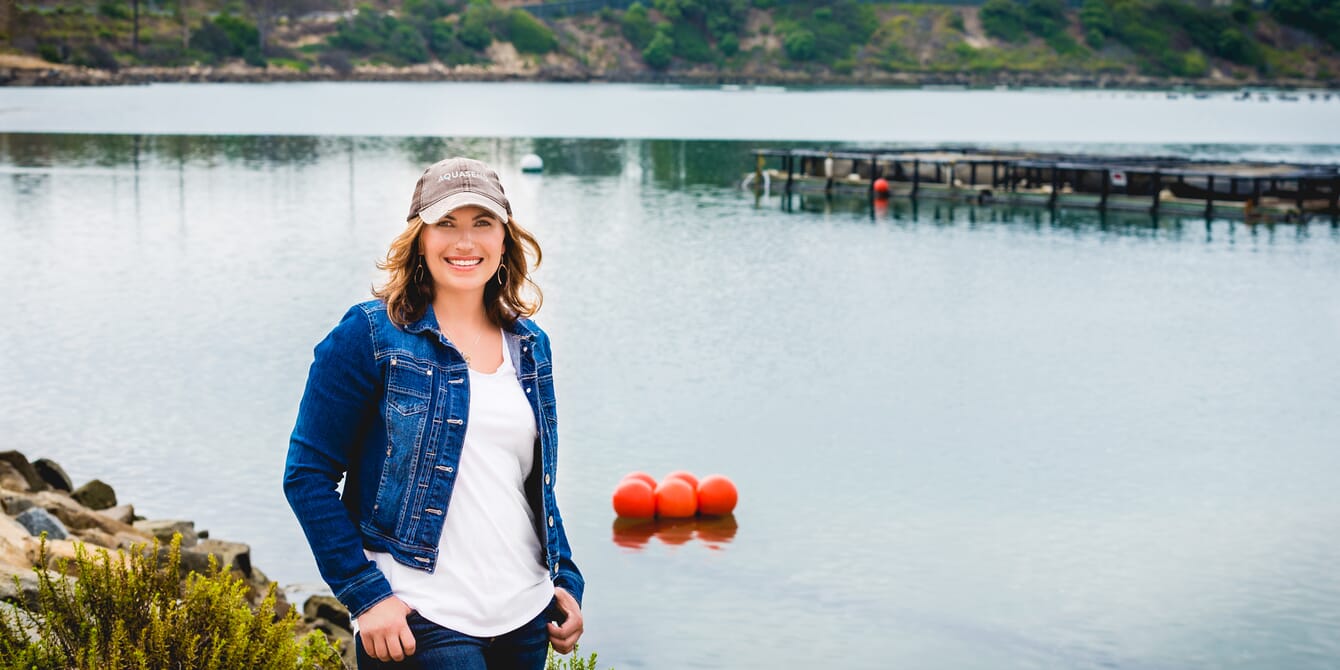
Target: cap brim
<point>445,206</point>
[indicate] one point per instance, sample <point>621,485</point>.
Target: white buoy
<point>532,163</point>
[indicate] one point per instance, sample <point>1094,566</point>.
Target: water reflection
<point>714,532</point>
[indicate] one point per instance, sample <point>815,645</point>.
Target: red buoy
<point>634,499</point>
<point>881,186</point>
<point>651,481</point>
<point>717,495</point>
<point>675,499</point>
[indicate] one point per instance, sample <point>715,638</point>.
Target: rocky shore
<point>17,71</point>
<point>38,497</point>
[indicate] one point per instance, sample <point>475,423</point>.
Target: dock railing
<point>1249,190</point>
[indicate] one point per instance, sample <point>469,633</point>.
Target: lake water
<point>964,437</point>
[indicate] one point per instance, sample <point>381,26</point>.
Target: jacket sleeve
<point>568,576</point>
<point>338,407</point>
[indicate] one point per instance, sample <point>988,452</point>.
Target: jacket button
<point>546,479</point>
<point>527,389</point>
<point>388,450</point>
<point>551,521</point>
<point>430,373</point>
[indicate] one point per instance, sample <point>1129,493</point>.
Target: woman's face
<point>463,250</point>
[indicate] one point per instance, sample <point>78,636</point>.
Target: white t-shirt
<point>490,576</point>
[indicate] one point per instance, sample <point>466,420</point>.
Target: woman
<point>435,402</point>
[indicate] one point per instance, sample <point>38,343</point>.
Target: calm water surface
<point>964,437</point>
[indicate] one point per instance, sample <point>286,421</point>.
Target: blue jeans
<point>438,648</point>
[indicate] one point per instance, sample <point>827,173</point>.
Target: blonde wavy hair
<point>407,300</point>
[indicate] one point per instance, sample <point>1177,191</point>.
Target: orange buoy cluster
<point>679,495</point>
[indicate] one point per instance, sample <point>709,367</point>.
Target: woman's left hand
<point>564,637</point>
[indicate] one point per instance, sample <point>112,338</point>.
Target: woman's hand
<point>385,632</point>
<point>564,637</point>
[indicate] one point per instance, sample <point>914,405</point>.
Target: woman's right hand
<point>385,632</point>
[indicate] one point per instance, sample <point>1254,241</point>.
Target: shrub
<point>474,30</point>
<point>637,27</point>
<point>111,9</point>
<point>691,44</point>
<point>136,611</point>
<point>799,45</point>
<point>1003,20</point>
<point>658,53</point>
<point>528,34</point>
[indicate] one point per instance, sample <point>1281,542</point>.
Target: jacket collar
<point>523,328</point>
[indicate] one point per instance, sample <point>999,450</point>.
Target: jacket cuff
<point>365,592</point>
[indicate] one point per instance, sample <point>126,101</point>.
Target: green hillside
<point>1284,41</point>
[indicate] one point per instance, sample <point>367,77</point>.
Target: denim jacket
<point>386,408</point>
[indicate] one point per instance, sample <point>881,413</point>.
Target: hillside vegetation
<point>1294,42</point>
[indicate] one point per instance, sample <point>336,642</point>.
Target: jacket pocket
<point>408,392</point>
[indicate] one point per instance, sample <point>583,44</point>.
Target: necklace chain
<point>464,355</point>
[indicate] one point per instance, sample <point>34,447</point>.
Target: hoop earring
<point>502,272</point>
<point>418,271</point>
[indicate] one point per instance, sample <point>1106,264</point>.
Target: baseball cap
<point>457,182</point>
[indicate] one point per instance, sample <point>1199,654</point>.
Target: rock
<point>15,504</point>
<point>95,495</point>
<point>11,479</point>
<point>121,513</point>
<point>96,537</point>
<point>229,554</point>
<point>53,474</point>
<point>328,608</point>
<point>21,464</point>
<point>76,516</point>
<point>344,637</point>
<point>27,589</point>
<point>14,540</point>
<point>38,521</point>
<point>163,529</point>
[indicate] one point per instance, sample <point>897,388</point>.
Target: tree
<point>658,52</point>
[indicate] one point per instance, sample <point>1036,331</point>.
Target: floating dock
<point>1251,191</point>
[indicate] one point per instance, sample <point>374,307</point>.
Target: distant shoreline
<point>31,73</point>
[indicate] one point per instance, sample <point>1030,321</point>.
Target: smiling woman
<point>436,403</point>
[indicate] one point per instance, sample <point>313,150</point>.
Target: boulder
<point>328,608</point>
<point>14,540</point>
<point>15,503</point>
<point>25,592</point>
<point>163,529</point>
<point>11,479</point>
<point>53,474</point>
<point>229,554</point>
<point>38,521</point>
<point>20,463</point>
<point>95,495</point>
<point>122,513</point>
<point>96,537</point>
<point>75,515</point>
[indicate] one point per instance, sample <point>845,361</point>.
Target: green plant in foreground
<point>135,611</point>
<point>573,662</point>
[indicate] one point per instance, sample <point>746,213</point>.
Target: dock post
<point>1256,191</point>
<point>1158,188</point>
<point>972,174</point>
<point>1335,199</point>
<point>758,170</point>
<point>874,174</point>
<point>939,176</point>
<point>1209,198</point>
<point>1302,184</point>
<point>790,170</point>
<point>1056,187</point>
<point>916,176</point>
<point>994,164</point>
<point>1107,186</point>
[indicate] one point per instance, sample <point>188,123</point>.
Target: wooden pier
<point>1251,191</point>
